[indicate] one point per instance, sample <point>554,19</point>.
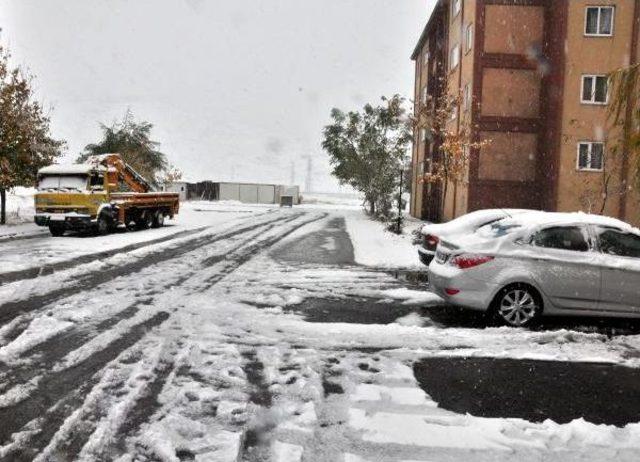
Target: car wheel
<point>518,306</point>
<point>56,231</point>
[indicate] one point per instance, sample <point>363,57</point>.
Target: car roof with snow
<point>521,225</point>
<point>535,219</point>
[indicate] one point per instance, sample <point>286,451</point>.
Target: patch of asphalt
<point>10,310</point>
<point>353,310</point>
<point>533,390</point>
<point>59,393</point>
<point>328,246</point>
<point>239,259</point>
<point>32,273</point>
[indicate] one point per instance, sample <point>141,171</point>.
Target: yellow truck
<point>99,196</point>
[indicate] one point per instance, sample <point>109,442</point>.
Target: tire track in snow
<point>142,413</point>
<point>47,352</point>
<point>10,310</point>
<point>60,392</point>
<point>49,268</point>
<point>85,433</point>
<point>27,411</point>
<point>52,349</point>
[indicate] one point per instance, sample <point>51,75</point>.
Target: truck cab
<point>70,197</point>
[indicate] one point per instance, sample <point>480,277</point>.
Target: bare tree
<point>170,175</point>
<point>452,137</point>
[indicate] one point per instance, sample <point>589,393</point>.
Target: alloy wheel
<point>518,307</point>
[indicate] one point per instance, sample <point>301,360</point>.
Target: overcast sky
<point>237,89</point>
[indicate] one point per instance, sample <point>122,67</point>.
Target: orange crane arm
<point>125,172</point>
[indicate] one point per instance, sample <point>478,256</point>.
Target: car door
<point>566,267</point>
<point>620,258</point>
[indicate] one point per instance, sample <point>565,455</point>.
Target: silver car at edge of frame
<point>432,233</point>
<point>533,264</point>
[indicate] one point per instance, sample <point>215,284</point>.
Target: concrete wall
<point>229,192</point>
<point>253,193</point>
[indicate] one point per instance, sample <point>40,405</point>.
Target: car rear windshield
<point>498,229</point>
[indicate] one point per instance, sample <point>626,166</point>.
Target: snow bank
<point>375,246</point>
<point>20,209</point>
<point>331,201</point>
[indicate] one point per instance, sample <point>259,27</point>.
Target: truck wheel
<point>103,225</point>
<point>56,231</point>
<point>158,219</point>
<point>145,221</point>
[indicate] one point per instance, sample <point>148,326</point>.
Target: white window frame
<point>424,95</point>
<point>456,7</point>
<point>456,49</point>
<point>468,38</point>
<point>600,8</point>
<point>592,101</point>
<point>589,153</point>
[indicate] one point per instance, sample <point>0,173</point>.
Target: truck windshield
<point>63,183</point>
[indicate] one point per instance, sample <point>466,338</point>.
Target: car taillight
<point>469,261</point>
<point>431,241</point>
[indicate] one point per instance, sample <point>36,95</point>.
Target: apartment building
<point>532,75</point>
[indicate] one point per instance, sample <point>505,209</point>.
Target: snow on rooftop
<point>73,169</point>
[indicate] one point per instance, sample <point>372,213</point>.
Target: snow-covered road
<point>256,334</point>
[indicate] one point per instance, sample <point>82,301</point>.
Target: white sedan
<point>533,264</point>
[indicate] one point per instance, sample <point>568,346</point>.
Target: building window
<point>456,5</point>
<point>454,59</point>
<point>590,156</point>
<point>595,89</point>
<point>599,21</point>
<point>424,96</point>
<point>425,61</point>
<point>466,97</point>
<point>423,134</point>
<point>468,38</point>
<point>454,113</point>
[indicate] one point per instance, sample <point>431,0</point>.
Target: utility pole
<point>308,181</point>
<point>293,173</point>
